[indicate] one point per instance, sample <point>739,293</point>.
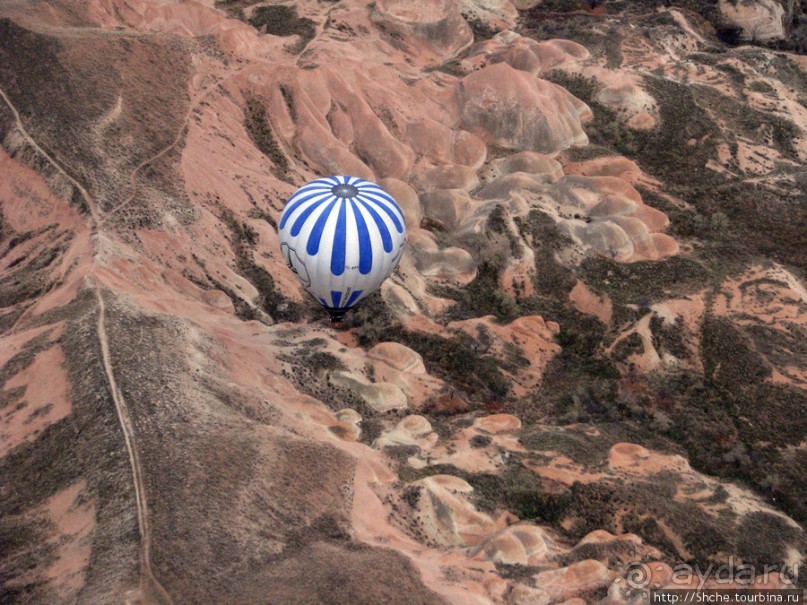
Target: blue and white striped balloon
<point>342,236</point>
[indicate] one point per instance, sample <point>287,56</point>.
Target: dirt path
<point>149,585</point>
<point>91,206</point>
<point>148,582</point>
<point>87,199</point>
<point>146,162</point>
<point>193,105</point>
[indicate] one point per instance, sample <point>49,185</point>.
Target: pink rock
<point>498,423</point>
<point>628,98</point>
<point>503,548</point>
<point>399,299</point>
<point>407,199</point>
<point>656,247</point>
<point>515,110</point>
<point>501,188</point>
<point>398,356</point>
<point>431,261</point>
<point>444,145</point>
<point>445,177</point>
<point>634,459</point>
<point>613,205</point>
<point>574,579</point>
<point>495,14</point>
<point>607,214</point>
<point>759,20</point>
<point>601,536</point>
<point>412,430</point>
<point>333,135</point>
<point>586,301</point>
<point>445,514</point>
<point>520,544</point>
<point>446,206</point>
<point>526,54</point>
<point>218,300</point>
<point>430,29</point>
<point>381,396</point>
<point>534,164</point>
<point>527,595</point>
<point>655,219</point>
<point>617,166</point>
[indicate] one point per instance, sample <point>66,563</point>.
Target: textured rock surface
<point>444,514</point>
<point>516,545</point>
<point>382,396</point>
<point>759,21</point>
<point>565,375</point>
<point>425,27</point>
<point>525,53</point>
<point>515,110</point>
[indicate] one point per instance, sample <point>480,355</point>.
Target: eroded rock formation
<point>603,279</point>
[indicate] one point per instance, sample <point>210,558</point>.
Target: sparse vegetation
<point>630,345</point>
<point>668,338</point>
<point>457,359</point>
<point>217,428</point>
<point>29,275</point>
<point>150,77</point>
<point>271,301</point>
<point>482,31</point>
<point>483,296</point>
<point>729,359</point>
<point>551,279</point>
<point>260,132</point>
<point>645,282</point>
<point>280,20</point>
<point>274,19</point>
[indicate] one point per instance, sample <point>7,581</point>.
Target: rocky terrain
<point>591,360</point>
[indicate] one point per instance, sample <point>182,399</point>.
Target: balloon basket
<point>336,316</point>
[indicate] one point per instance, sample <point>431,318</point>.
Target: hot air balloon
<point>342,236</point>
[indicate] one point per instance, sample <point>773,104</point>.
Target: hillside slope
<point>591,356</point>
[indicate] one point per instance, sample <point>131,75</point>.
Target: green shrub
<point>260,132</point>
<point>280,20</point>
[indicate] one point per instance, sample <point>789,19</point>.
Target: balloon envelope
<point>342,236</point>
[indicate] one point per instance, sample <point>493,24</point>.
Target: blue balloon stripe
<point>380,193</point>
<point>307,190</point>
<point>303,218</point>
<point>352,298</point>
<point>340,242</point>
<point>341,248</point>
<point>373,188</point>
<point>383,230</point>
<point>392,214</point>
<point>289,210</point>
<point>316,185</point>
<point>316,233</point>
<point>376,206</point>
<point>365,244</point>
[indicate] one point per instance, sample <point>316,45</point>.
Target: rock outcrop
<point>515,110</point>
<point>601,283</point>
